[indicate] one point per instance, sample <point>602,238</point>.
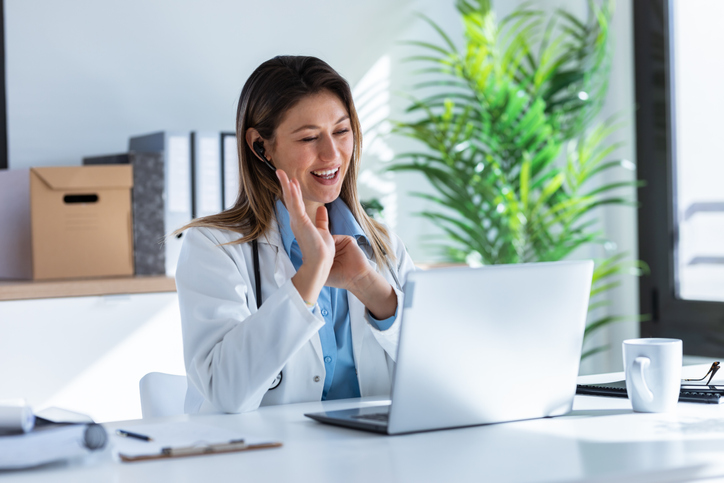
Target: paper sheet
<point>173,434</point>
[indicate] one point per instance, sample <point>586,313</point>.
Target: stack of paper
<point>50,443</point>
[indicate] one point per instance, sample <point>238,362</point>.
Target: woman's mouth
<point>327,174</point>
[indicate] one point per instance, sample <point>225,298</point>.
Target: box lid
<point>78,177</point>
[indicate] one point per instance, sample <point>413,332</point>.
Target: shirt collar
<point>341,222</point>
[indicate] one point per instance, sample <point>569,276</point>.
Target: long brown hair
<point>273,88</point>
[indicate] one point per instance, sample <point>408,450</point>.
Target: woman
<point>294,293</point>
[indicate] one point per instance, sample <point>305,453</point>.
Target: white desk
<point>601,440</point>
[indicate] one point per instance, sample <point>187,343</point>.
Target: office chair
<point>162,394</point>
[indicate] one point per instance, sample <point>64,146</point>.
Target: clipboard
<point>199,450</point>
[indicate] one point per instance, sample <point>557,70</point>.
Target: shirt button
<point>316,378</point>
<point>327,359</point>
<point>324,312</point>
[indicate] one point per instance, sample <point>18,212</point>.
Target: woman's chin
<point>325,197</point>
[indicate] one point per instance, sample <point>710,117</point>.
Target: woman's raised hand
<point>315,241</point>
<point>336,261</point>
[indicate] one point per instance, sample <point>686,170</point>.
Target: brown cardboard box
<point>66,222</point>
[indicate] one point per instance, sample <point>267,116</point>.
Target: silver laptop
<point>483,345</point>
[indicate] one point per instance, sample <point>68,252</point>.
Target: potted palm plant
<point>510,141</point>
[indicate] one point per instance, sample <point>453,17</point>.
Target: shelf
<point>28,289</point>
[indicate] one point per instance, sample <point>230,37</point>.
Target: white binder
<point>230,162</point>
<point>206,174</point>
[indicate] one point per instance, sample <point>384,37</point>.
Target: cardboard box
<point>148,205</point>
<point>66,222</point>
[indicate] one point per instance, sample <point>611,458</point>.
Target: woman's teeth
<point>326,174</point>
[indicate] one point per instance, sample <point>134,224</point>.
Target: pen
<point>129,434</point>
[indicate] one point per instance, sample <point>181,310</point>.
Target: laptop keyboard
<point>373,416</point>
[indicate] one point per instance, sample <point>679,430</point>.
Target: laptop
<point>483,345</point>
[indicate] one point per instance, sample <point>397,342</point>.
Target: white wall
<point>87,354</point>
<point>620,223</point>
<point>83,76</point>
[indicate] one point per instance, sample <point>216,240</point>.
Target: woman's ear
<point>252,136</point>
<point>256,143</point>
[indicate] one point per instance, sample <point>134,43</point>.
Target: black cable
<point>257,275</point>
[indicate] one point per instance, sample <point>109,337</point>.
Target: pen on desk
<point>129,434</point>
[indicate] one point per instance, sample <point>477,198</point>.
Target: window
<point>679,128</point>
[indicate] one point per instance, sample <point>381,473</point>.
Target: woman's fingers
<point>292,193</point>
<point>284,182</point>
<point>322,221</point>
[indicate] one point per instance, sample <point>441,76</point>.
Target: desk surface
<point>600,440</point>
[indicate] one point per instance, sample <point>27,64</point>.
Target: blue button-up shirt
<point>336,335</point>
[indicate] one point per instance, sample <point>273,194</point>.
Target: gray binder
<point>175,149</point>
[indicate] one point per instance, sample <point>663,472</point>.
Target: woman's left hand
<point>352,271</point>
<point>350,264</point>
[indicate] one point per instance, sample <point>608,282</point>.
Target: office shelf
<point>28,289</point>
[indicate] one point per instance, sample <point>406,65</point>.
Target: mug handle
<point>637,378</point>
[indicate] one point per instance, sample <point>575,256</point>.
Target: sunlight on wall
<point>108,389</point>
<point>372,99</point>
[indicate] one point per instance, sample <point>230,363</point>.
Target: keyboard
<point>382,417</point>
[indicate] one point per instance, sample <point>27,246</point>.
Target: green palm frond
<point>496,114</point>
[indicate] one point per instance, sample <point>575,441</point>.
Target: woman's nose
<point>327,148</point>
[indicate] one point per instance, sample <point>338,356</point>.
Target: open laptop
<point>483,345</point>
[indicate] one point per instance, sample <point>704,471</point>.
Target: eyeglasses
<point>712,370</point>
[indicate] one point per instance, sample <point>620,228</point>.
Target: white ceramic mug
<point>653,373</point>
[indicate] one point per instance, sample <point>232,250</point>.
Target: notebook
<point>472,338</point>
<point>698,393</point>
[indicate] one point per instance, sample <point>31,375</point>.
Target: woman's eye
<point>343,131</point>
<point>308,140</point>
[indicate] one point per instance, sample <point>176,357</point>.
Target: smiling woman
<point>298,240</point>
<point>313,144</point>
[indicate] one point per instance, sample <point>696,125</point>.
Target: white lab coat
<point>233,352</point>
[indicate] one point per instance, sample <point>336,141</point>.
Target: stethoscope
<point>257,285</point>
